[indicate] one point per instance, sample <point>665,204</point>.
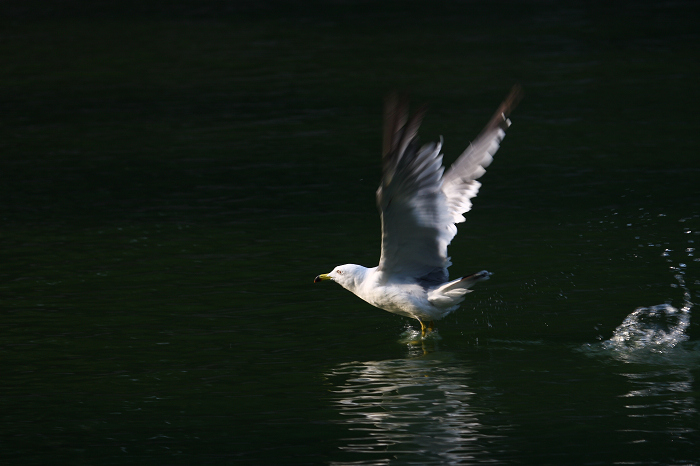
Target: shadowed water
<point>173,177</point>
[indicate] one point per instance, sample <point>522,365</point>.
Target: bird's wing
<point>459,183</point>
<point>419,206</point>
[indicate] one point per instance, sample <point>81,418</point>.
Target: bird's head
<point>348,276</point>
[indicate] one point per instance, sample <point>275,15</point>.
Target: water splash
<point>654,334</point>
<point>413,337</point>
<point>656,329</point>
<point>659,361</point>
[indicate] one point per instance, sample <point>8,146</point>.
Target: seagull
<point>420,204</point>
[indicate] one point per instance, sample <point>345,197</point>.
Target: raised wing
<point>419,207</point>
<point>459,183</point>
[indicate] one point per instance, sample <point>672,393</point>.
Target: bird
<point>420,205</point>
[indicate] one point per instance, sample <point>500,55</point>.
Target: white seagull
<point>420,205</point>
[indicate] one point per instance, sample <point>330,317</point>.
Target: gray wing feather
<point>459,182</point>
<point>419,206</point>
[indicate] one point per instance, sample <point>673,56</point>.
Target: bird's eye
<point>340,272</point>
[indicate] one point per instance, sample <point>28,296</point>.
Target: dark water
<point>172,177</point>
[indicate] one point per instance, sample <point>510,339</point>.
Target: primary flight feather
<point>420,205</point>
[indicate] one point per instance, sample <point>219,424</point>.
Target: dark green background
<point>173,176</point>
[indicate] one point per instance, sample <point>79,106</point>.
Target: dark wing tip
<point>395,118</point>
<point>500,117</point>
<point>399,131</point>
<point>514,97</point>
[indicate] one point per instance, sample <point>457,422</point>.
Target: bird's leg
<point>424,329</point>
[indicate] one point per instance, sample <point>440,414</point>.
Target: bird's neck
<point>362,279</point>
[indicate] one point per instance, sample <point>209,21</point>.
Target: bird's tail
<point>471,280</point>
<point>452,293</point>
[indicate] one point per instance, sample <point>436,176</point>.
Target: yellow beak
<point>320,278</point>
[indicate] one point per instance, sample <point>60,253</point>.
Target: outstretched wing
<point>419,206</point>
<point>459,183</point>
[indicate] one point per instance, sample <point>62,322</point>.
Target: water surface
<point>172,179</point>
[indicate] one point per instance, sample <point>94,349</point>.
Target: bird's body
<point>420,205</point>
<point>404,295</point>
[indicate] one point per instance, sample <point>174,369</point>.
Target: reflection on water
<point>422,407</point>
<point>661,405</point>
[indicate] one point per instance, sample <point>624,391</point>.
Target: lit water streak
<point>422,407</point>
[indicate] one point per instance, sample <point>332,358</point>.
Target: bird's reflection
<point>421,407</point>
